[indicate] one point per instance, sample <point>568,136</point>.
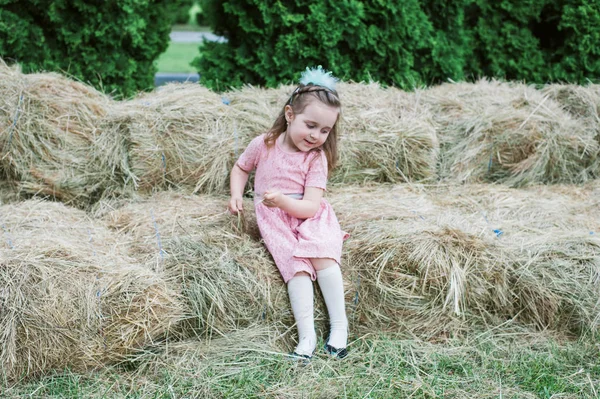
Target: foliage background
<point>110,44</point>
<point>405,44</point>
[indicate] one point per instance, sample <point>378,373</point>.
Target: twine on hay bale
<point>69,296</point>
<point>508,133</point>
<point>48,124</point>
<point>172,137</point>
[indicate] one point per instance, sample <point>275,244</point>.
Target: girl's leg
<point>300,290</point>
<point>329,277</point>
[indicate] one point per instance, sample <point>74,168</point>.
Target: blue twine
<point>14,124</point>
<point>160,250</point>
<point>498,232</point>
<point>357,288</point>
<point>91,241</point>
<point>491,161</point>
<point>415,212</point>
<point>235,140</point>
<point>226,101</point>
<point>592,233</point>
<point>164,161</point>
<point>10,244</point>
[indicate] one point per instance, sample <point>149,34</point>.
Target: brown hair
<point>299,99</point>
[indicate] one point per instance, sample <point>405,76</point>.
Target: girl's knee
<point>301,274</point>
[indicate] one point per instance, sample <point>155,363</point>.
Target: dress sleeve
<point>249,158</point>
<point>317,172</point>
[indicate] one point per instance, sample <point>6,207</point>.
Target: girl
<point>299,228</point>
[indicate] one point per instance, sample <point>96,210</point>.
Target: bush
<point>538,40</point>
<point>183,16</point>
<point>404,44</point>
<point>269,41</point>
<point>112,45</point>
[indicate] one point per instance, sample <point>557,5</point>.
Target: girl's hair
<point>299,99</point>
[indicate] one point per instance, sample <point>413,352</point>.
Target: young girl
<point>299,228</point>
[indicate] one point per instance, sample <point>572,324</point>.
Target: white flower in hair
<point>318,77</point>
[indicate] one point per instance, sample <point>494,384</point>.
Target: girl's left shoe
<point>335,352</point>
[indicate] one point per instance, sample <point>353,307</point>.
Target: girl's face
<point>310,129</point>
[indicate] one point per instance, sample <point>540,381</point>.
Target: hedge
<point>405,44</point>
<point>110,44</point>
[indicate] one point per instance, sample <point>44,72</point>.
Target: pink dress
<point>292,241</point>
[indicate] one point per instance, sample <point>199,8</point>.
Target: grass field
<point>502,366</point>
<point>177,58</point>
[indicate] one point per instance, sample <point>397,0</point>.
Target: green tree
<point>110,44</point>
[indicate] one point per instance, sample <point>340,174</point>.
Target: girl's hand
<point>273,199</point>
<point>236,205</point>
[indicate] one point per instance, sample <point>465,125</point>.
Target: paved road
<point>185,37</point>
<point>195,37</point>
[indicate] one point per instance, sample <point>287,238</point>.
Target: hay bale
<point>472,254</point>
<point>48,125</point>
<point>171,137</point>
<point>508,133</point>
<point>419,272</point>
<point>70,298</point>
<point>556,282</point>
<point>583,103</point>
<point>427,261</point>
<point>387,136</point>
<point>226,275</point>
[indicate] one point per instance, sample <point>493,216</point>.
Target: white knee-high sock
<point>332,287</point>
<point>300,290</point>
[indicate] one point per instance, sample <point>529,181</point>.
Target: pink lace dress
<point>292,241</point>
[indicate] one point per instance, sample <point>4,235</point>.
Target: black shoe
<point>296,356</point>
<point>335,352</point>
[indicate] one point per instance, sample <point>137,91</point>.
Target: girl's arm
<point>305,208</point>
<point>237,182</point>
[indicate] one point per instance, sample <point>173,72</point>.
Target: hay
<point>472,254</point>
<point>8,192</point>
<point>387,135</point>
<point>427,261</point>
<point>172,137</point>
<point>509,133</point>
<point>583,103</point>
<point>224,272</point>
<point>70,298</point>
<point>48,124</point>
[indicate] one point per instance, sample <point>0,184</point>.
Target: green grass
<point>177,58</point>
<point>378,367</point>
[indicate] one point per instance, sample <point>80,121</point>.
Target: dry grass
<point>49,124</point>
<point>430,262</point>
<point>69,296</point>
<point>171,137</point>
<point>387,135</point>
<point>509,133</point>
<point>466,255</point>
<point>64,140</point>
